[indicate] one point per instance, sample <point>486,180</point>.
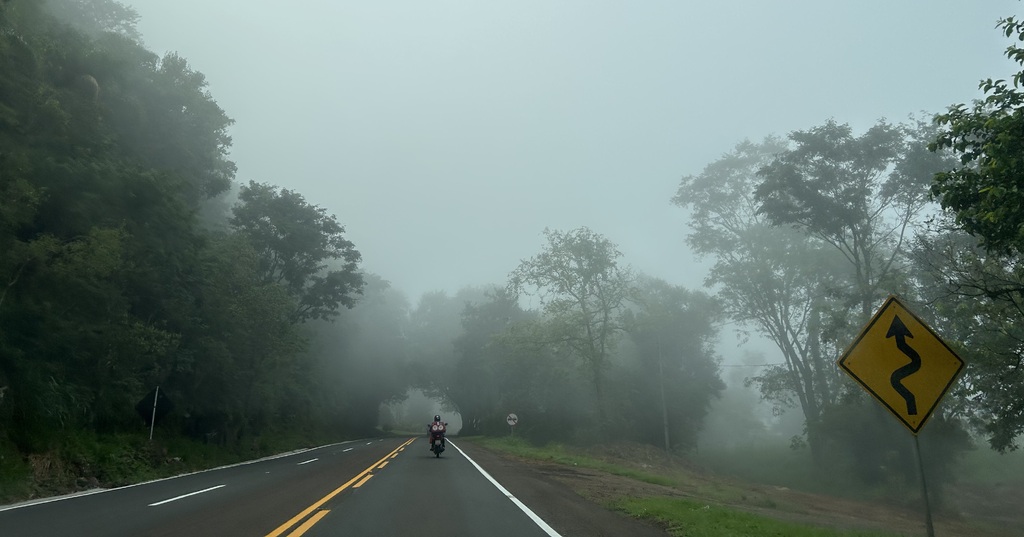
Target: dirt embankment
<point>567,490</point>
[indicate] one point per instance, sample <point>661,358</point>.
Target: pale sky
<point>446,135</point>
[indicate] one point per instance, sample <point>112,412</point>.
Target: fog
<point>527,186</point>
<point>447,135</point>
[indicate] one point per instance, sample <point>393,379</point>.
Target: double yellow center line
<point>355,483</point>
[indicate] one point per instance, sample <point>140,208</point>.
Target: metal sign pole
<point>924,490</point>
<point>152,420</point>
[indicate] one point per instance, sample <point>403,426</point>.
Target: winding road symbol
<point>878,361</point>
<point>900,331</point>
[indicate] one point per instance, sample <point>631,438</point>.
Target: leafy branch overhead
<point>986,191</point>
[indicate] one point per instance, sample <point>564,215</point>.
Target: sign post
<point>512,420</point>
<point>878,361</point>
<point>153,407</point>
<point>152,419</point>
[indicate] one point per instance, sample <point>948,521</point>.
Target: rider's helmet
<point>437,418</point>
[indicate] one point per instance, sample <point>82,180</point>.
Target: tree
<point>582,290</point>
<point>109,285</point>
<point>475,386</point>
<point>97,251</point>
<point>978,286</point>
<point>248,354</point>
<point>984,192</point>
<point>674,334</point>
<point>302,248</point>
<point>483,356</point>
<point>974,297</point>
<point>859,194</point>
<point>770,277</point>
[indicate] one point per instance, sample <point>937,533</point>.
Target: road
<point>370,487</point>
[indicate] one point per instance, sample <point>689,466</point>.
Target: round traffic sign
<point>512,419</point>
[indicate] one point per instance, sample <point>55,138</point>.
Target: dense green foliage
<point>297,243</point>
<point>985,192</point>
<point>977,283</point>
<point>111,284</point>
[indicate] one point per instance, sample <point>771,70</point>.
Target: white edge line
<point>42,501</point>
<point>307,462</point>
<point>533,516</point>
<point>51,500</point>
<point>176,498</point>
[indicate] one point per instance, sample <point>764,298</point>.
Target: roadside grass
<point>559,454</point>
<point>772,464</point>
<point>743,492</point>
<point>692,519</point>
<point>711,517</point>
<point>781,466</point>
<point>718,491</point>
<point>731,494</point>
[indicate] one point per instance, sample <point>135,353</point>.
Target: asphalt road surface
<point>367,488</point>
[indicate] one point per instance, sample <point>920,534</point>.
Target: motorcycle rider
<point>435,432</point>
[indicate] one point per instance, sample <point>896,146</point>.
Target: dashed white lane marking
<point>307,462</point>
<point>176,498</point>
<point>144,483</point>
<point>533,516</point>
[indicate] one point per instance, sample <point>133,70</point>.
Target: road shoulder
<point>555,502</point>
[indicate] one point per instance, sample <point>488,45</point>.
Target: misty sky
<point>447,135</point>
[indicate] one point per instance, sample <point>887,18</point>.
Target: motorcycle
<point>437,438</point>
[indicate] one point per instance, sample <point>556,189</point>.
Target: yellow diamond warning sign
<point>901,362</point>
